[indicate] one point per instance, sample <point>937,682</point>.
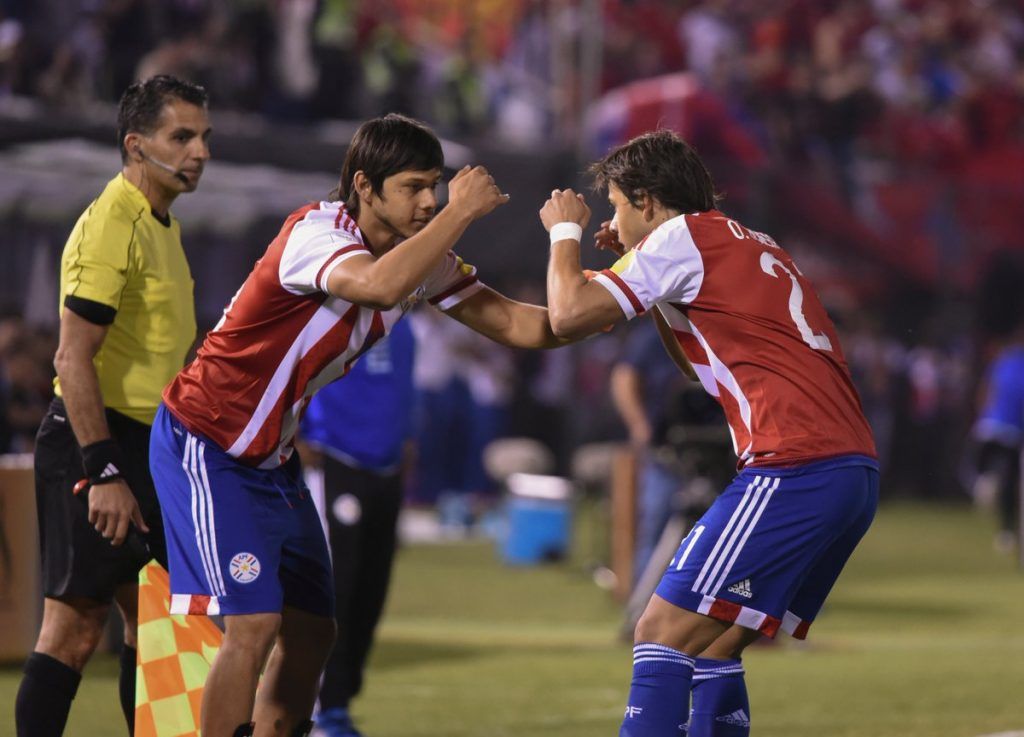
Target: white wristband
<point>566,232</point>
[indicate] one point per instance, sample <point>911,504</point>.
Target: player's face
<point>407,201</point>
<point>629,220</point>
<point>182,143</point>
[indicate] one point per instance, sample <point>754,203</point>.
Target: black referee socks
<point>44,698</point>
<point>126,686</point>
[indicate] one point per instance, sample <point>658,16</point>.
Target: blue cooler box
<point>539,519</point>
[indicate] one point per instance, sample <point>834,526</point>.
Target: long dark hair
<point>385,146</point>
<point>662,165</point>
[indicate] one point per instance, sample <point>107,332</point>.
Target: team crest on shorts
<point>244,567</point>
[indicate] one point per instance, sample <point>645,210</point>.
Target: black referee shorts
<point>77,560</point>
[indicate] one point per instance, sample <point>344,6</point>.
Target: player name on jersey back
<point>758,337</point>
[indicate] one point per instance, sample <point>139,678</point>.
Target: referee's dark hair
<point>142,104</point>
<point>385,146</point>
<point>662,165</point>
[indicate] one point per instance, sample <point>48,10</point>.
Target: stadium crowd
<point>887,132</point>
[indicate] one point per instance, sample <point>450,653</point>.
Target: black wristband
<point>103,461</point>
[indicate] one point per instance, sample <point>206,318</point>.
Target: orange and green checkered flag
<point>174,657</point>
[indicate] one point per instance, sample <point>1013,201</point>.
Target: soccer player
<point>766,554</point>
<point>127,322</point>
<point>243,536</point>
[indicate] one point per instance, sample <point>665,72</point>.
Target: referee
<point>127,322</point>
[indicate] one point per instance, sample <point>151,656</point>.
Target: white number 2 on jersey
<point>818,341</point>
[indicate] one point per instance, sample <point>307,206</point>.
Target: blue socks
<point>659,694</point>
<point>720,704</point>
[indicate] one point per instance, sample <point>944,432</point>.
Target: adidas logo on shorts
<point>738,718</point>
<point>741,588</point>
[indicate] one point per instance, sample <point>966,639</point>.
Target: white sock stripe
<point>196,524</point>
<point>699,673</point>
<point>656,654</point>
<point>743,541</point>
<point>213,528</point>
<point>653,646</point>
<point>725,534</point>
<point>725,669</point>
<point>663,660</point>
<point>737,532</point>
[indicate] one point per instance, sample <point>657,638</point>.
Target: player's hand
<point>473,190</point>
<point>565,206</point>
<point>112,508</point>
<point>607,239</point>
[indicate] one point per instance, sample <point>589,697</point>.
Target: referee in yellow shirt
<point>127,322</point>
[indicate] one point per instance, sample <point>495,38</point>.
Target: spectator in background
<point>25,391</point>
<point>359,429</point>
<point>1000,434</point>
<point>465,385</point>
<point>643,383</point>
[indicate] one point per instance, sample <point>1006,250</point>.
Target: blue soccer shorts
<point>768,551</point>
<point>240,540</point>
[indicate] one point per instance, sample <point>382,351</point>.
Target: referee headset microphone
<point>166,167</point>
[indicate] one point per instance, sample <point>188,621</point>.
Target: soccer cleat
<point>336,722</point>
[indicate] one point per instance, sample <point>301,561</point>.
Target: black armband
<point>95,312</point>
<point>103,461</point>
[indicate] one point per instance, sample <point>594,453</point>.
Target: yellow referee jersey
<point>122,256</point>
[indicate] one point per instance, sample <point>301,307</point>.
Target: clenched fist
<point>474,192</point>
<point>565,206</point>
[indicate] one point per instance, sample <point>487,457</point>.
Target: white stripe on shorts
<point>743,541</point>
<point>721,538</point>
<point>725,539</point>
<point>209,515</point>
<point>697,532</point>
<point>197,524</point>
<point>737,533</point>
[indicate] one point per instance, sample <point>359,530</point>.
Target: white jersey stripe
<point>208,496</point>
<point>361,332</point>
<point>321,322</point>
<point>741,525</point>
<point>743,541</point>
<point>196,523</point>
<point>725,534</point>
<point>725,377</point>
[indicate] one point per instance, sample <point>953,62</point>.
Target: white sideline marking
<point>1018,733</point>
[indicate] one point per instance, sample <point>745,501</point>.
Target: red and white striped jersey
<point>755,332</point>
<point>283,337</point>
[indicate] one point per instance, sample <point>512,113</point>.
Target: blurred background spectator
<point>881,142</point>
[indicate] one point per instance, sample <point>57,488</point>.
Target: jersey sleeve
<point>96,267</point>
<point>666,267</point>
<point>451,282</point>
<point>311,254</point>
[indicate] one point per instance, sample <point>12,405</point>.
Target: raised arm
<point>383,282</point>
<point>577,307</point>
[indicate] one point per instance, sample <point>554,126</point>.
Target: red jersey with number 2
<point>755,332</point>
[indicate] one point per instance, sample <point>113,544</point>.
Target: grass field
<point>923,637</point>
